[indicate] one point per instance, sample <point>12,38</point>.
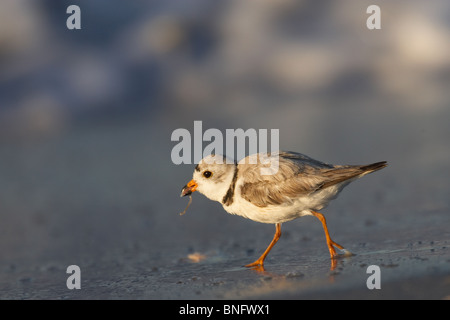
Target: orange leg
<point>330,243</point>
<point>260,262</point>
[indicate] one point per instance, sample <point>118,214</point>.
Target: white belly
<point>285,212</point>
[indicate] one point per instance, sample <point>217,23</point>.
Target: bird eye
<point>207,174</point>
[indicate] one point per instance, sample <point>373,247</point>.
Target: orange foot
<point>257,263</point>
<point>256,266</point>
<point>331,244</point>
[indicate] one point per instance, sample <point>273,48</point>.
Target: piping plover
<point>300,186</point>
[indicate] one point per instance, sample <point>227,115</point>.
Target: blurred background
<point>86,118</point>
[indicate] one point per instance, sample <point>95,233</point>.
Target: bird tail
<point>373,167</point>
<point>348,173</point>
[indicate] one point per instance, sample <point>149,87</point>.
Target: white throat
<point>218,191</point>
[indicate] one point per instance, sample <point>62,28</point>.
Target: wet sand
<point>106,198</point>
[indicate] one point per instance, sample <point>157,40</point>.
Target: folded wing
<point>297,175</point>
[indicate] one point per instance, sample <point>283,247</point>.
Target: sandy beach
<point>77,200</point>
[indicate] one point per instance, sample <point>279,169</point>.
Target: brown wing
<point>297,175</point>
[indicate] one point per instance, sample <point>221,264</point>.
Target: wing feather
<point>297,175</point>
